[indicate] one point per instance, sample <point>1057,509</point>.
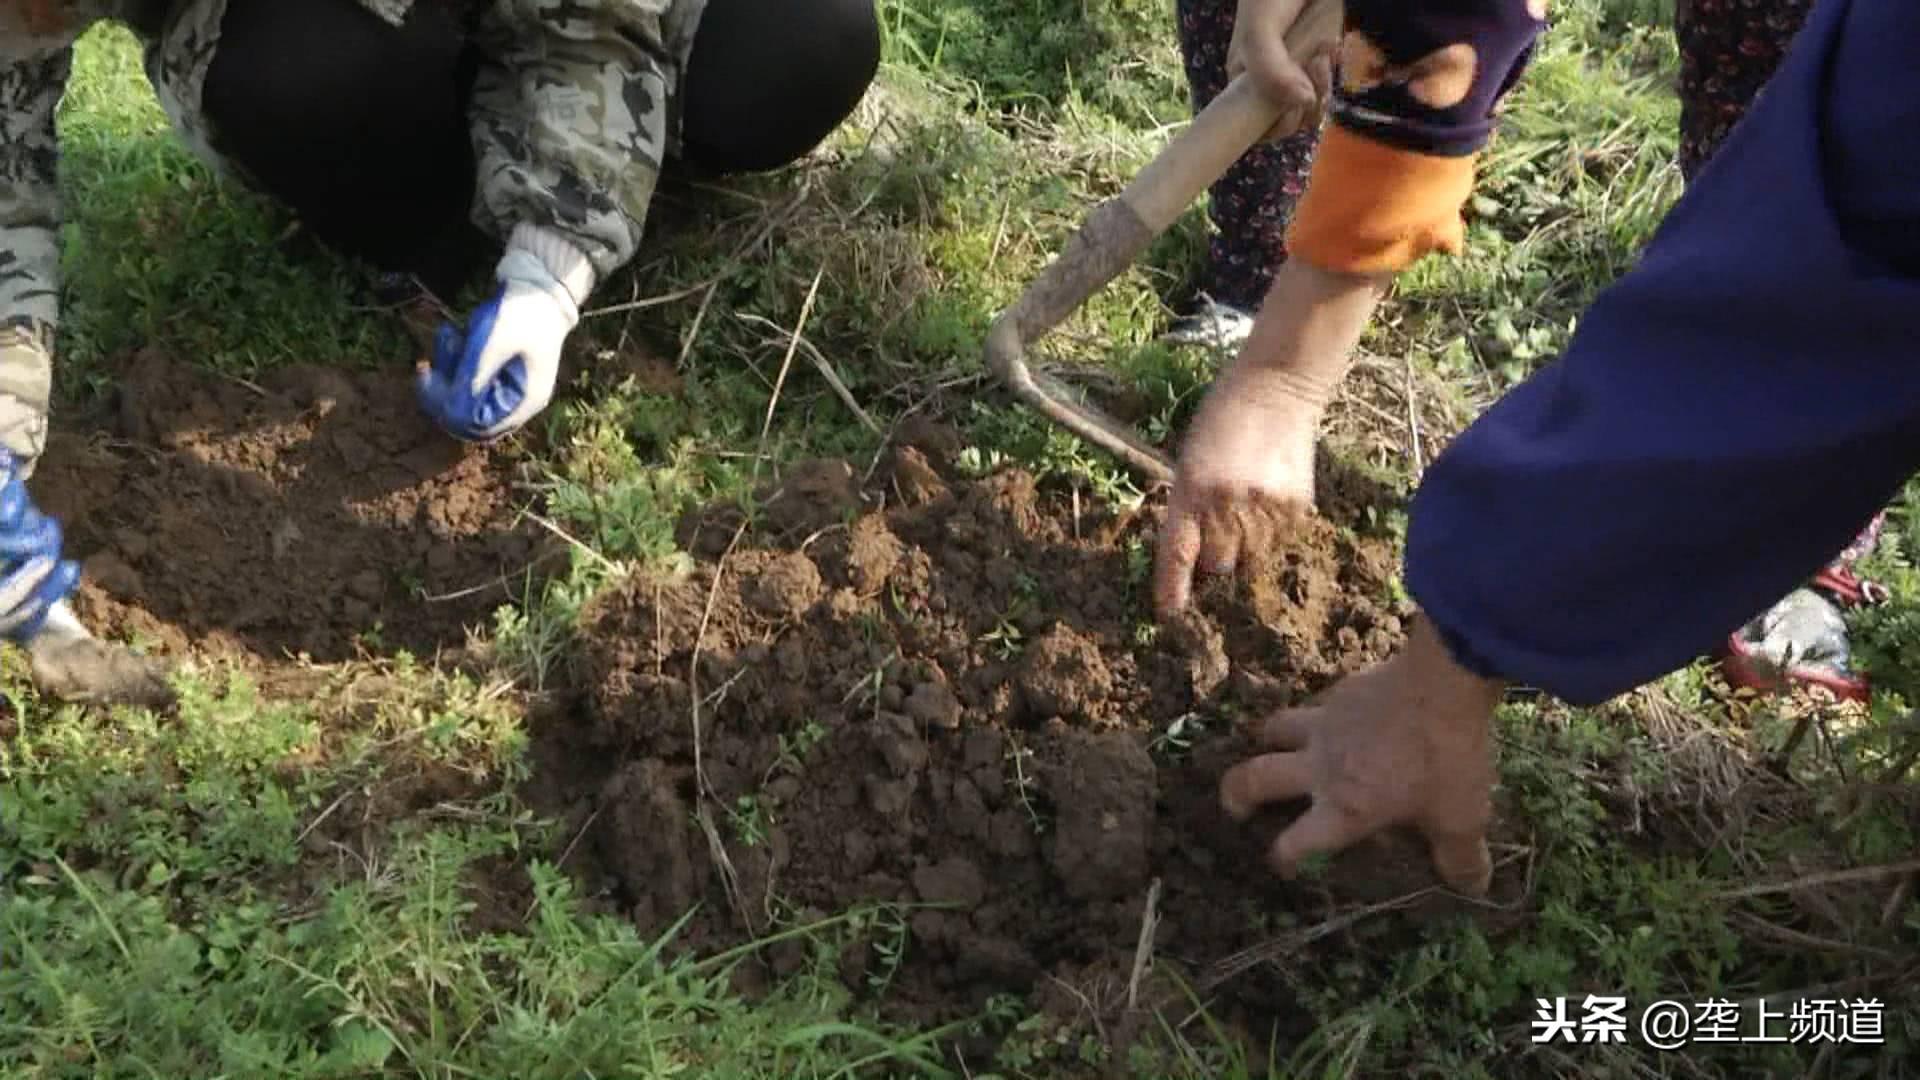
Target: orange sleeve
<point>1371,208</point>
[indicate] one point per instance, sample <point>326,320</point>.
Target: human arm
<point>570,126</point>
<point>1406,744</point>
<point>1725,418</point>
<point>1728,414</point>
<point>1412,108</point>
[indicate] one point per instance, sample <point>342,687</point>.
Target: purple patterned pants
<point>1251,205</point>
<point>1728,50</point>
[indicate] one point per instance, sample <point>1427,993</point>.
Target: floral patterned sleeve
<point>1413,107</point>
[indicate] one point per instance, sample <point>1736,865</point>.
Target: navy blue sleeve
<point>1728,415</point>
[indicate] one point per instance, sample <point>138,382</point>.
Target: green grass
<point>177,259</point>
<point>209,896</point>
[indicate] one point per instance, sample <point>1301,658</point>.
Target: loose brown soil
<point>947,692</point>
<point>317,512</point>
<point>937,690</point>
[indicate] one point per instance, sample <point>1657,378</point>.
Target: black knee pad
<point>358,126</point>
<point>768,80</point>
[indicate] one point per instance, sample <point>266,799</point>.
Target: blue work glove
<point>488,380</point>
<point>34,579</point>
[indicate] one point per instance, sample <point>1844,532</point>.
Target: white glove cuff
<point>563,267</point>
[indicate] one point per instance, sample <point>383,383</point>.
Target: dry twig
<point>1812,881</point>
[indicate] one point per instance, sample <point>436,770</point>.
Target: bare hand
<point>1245,474</point>
<point>1246,469</point>
<point>1405,743</point>
<point>1298,83</point>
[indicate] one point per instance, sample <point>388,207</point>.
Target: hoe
<point>1119,229</point>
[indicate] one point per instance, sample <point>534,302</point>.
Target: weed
<point>1025,785</point>
<point>1005,640</point>
<point>1177,738</point>
<point>749,820</point>
<point>796,745</point>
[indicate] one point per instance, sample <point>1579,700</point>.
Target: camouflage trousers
<point>180,51</point>
<point>177,60</point>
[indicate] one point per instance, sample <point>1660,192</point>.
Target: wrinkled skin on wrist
<point>1245,469</point>
<point>1245,474</point>
<point>1406,743</point>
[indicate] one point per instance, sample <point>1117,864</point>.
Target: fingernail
<point>1236,807</point>
<point>1465,865</point>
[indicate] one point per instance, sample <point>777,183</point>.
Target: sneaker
<point>1211,324</point>
<point>1803,638</point>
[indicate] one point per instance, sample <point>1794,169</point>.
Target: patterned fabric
<point>1429,77</point>
<point>1414,103</point>
<point>572,118</point>
<point>1704,443</point>
<point>1728,50</point>
<point>1252,204</point>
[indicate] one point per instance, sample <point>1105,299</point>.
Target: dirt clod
<point>872,554</point>
<point>785,588</point>
<point>1104,791</point>
<point>1063,675</point>
<point>954,880</point>
<point>949,699</point>
<point>915,480</point>
<point>655,839</point>
<point>934,703</point>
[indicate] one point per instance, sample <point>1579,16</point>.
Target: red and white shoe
<point>1803,638</point>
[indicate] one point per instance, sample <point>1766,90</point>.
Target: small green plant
<point>749,819</point>
<point>1025,784</point>
<point>1139,563</point>
<point>1178,736</point>
<point>373,639</point>
<point>796,745</point>
<point>1005,640</point>
<point>873,626</point>
<point>889,933</point>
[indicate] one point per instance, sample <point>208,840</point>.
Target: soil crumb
<point>316,512</point>
<point>949,692</point>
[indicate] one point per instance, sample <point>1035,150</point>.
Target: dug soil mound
<point>317,512</point>
<point>950,692</point>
